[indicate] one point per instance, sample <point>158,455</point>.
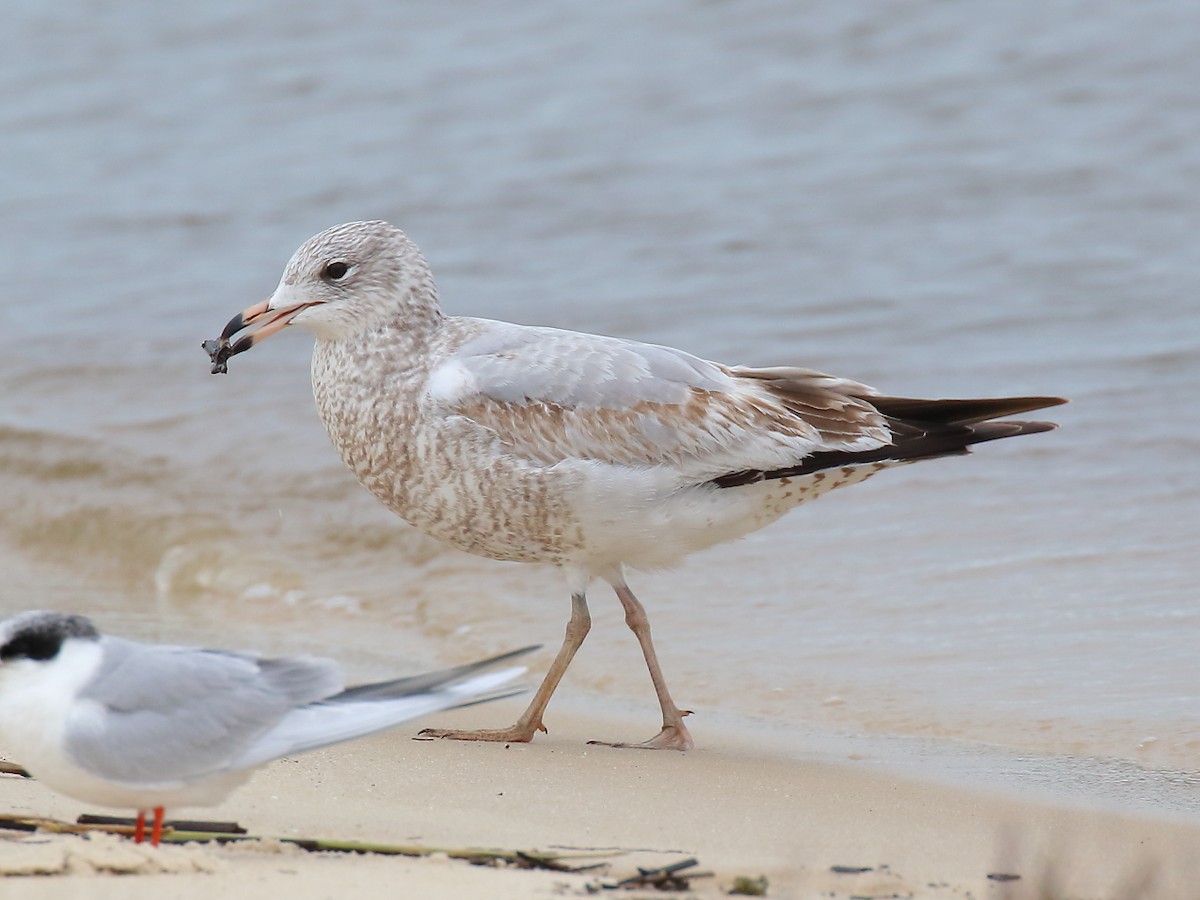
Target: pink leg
<point>139,830</point>
<point>156,832</point>
<point>674,734</point>
<point>531,720</point>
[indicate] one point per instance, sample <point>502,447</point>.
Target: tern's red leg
<point>156,833</point>
<point>139,831</point>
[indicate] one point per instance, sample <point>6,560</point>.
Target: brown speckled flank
<point>586,452</point>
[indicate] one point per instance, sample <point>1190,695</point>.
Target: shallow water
<point>938,199</point>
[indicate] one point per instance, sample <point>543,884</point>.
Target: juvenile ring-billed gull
<point>147,726</point>
<point>590,453</point>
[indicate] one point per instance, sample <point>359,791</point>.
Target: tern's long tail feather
<point>430,681</point>
<point>365,709</point>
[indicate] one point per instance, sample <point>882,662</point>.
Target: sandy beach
<point>738,811</point>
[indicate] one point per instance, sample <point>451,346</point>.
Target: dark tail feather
<point>958,412</point>
<point>924,446</point>
<point>921,429</point>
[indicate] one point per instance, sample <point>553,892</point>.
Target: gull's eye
<point>335,271</point>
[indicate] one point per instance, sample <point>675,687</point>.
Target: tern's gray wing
<point>156,714</point>
<point>555,395</point>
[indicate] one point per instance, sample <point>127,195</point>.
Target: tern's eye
<point>335,271</point>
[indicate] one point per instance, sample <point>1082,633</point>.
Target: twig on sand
<point>174,824</point>
<point>665,878</point>
<point>228,832</point>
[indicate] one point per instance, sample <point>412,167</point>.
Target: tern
<point>145,726</point>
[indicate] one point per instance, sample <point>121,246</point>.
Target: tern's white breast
<point>39,703</point>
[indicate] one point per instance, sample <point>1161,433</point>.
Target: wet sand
<point>740,812</point>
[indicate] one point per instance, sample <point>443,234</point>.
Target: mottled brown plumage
<point>590,453</point>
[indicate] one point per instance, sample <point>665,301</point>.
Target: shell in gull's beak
<point>265,322</point>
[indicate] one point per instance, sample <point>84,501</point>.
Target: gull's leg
<point>531,720</point>
<point>156,831</point>
<point>139,829</point>
<point>674,734</point>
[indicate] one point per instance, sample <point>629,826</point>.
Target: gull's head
<point>343,282</point>
<point>34,643</point>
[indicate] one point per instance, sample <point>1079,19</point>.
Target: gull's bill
<point>259,321</point>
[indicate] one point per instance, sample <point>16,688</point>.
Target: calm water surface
<point>939,199</point>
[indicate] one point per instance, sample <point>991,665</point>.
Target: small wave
<point>88,507</point>
<point>221,570</point>
<point>218,568</point>
<point>48,457</point>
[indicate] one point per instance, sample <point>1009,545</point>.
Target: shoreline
<point>1097,783</point>
<point>739,811</point>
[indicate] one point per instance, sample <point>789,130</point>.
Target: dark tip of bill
<point>235,325</point>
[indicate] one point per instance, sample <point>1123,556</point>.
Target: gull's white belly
<point>654,530</point>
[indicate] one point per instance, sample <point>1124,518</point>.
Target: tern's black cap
<point>39,635</point>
